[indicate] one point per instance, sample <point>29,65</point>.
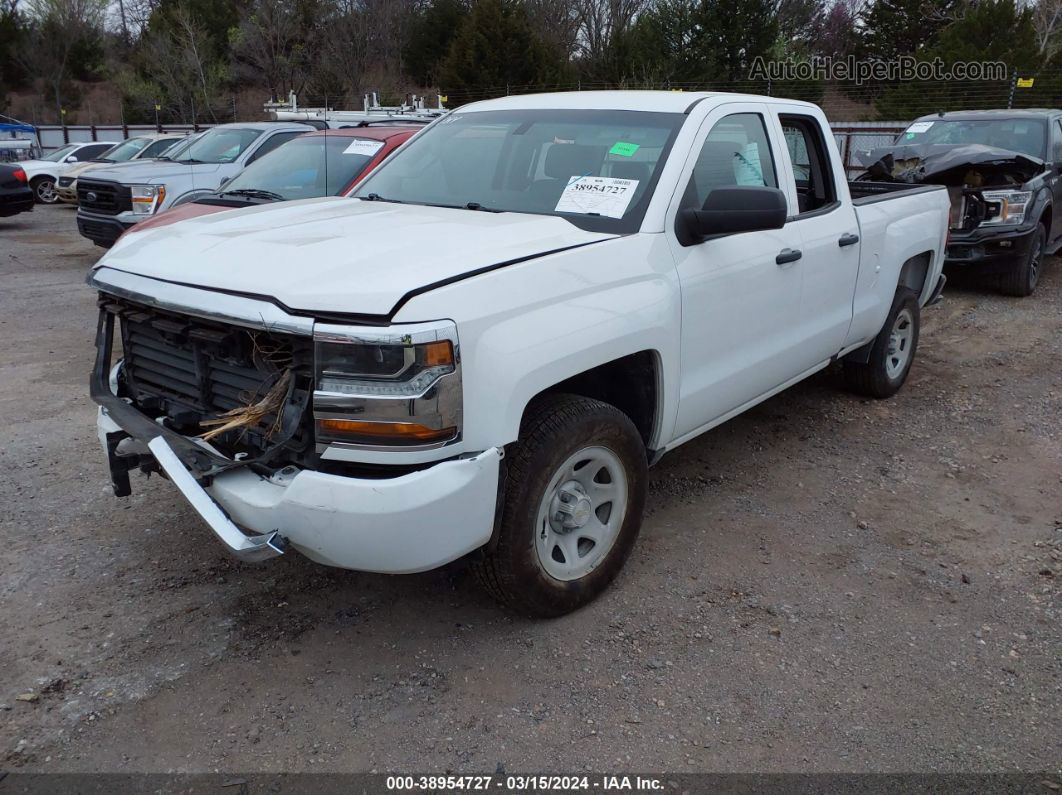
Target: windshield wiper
<point>254,193</point>
<point>468,206</point>
<point>376,197</point>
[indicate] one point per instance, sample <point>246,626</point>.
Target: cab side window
<point>811,165</point>
<point>736,152</point>
<point>272,143</point>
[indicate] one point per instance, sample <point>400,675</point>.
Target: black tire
<point>880,376</point>
<point>44,190</point>
<point>555,428</point>
<point>1021,281</point>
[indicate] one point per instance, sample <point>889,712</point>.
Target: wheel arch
<point>631,383</point>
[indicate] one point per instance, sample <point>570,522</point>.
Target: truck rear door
<point>826,223</point>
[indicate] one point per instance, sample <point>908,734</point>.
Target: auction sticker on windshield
<point>363,146</point>
<point>607,196</point>
<point>919,126</point>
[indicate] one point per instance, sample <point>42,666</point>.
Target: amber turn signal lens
<point>394,433</point>
<point>437,354</point>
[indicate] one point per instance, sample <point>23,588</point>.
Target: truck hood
<point>949,164</point>
<point>150,171</point>
<point>338,255</point>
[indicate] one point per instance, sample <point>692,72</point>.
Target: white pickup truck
<point>481,353</point>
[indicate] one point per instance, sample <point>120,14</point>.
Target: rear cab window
<point>816,187</point>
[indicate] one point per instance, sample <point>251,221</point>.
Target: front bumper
<point>67,193</point>
<point>989,251</point>
<point>102,230</point>
<point>411,523</point>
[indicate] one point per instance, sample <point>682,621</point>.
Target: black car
<point>1002,169</point>
<point>16,196</point>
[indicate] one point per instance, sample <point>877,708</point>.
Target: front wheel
<point>1023,279</point>
<point>574,496</point>
<point>892,352</point>
<point>44,190</point>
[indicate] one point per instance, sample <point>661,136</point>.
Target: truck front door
<point>741,292</point>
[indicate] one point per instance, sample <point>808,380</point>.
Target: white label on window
<point>747,168</point>
<point>363,146</point>
<point>919,126</point>
<point>606,196</point>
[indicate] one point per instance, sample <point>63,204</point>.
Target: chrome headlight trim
<point>437,405</point>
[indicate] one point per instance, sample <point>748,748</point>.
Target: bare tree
<point>601,22</point>
<point>189,79</point>
<point>1047,19</point>
<point>274,44</point>
<point>361,43</point>
<point>57,27</point>
<point>557,23</point>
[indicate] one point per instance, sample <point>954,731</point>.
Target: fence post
<point>1013,85</point>
<point>93,131</point>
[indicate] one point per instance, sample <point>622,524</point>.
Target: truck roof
<point>652,101</point>
<point>1000,113</point>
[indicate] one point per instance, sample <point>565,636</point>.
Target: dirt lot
<point>826,583</point>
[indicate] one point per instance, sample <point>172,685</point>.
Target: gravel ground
<point>823,584</point>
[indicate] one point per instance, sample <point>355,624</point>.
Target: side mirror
<point>726,211</point>
<point>71,159</point>
<point>224,181</point>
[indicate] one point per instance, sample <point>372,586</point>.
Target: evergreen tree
<point>430,36</point>
<point>892,28</point>
<point>494,47</point>
<point>733,35</point>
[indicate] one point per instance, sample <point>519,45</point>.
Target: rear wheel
<point>44,190</point>
<point>574,497</point>
<point>892,352</point>
<point>1023,279</point>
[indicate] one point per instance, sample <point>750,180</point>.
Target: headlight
<point>394,387</point>
<point>147,198</point>
<point>1005,207</point>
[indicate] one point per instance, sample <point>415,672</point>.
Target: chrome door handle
<point>787,255</point>
<point>848,239</point>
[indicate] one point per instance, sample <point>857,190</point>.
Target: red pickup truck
<point>323,163</point>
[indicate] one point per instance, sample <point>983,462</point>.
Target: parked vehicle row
<point>140,147</point>
<point>603,277</point>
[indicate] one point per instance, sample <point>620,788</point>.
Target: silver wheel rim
<point>898,354</point>
<point>581,513</point>
<point>46,192</point>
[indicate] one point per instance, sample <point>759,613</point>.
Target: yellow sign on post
<point>1026,82</point>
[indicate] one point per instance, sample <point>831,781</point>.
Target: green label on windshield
<point>624,149</point>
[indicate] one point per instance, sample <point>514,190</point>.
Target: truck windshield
<point>594,168</point>
<point>219,145</point>
<point>126,150</point>
<point>308,167</point>
<point>1018,135</point>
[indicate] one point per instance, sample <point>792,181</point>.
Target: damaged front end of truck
<point>985,183</point>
